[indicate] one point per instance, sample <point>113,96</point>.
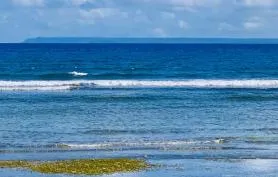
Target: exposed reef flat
<point>80,167</point>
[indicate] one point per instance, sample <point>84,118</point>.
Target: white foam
<point>198,83</point>
<point>150,144</point>
<point>75,73</point>
<point>38,85</point>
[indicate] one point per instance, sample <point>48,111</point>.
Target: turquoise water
<point>198,110</point>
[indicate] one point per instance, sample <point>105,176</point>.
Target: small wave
<point>38,85</point>
<point>141,145</point>
<point>210,144</point>
<point>253,97</point>
<point>74,84</point>
<point>75,73</point>
<point>262,140</point>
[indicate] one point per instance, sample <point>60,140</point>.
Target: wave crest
<point>75,73</point>
<point>77,84</point>
<point>142,145</point>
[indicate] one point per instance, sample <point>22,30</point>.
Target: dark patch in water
<point>253,97</point>
<point>55,76</point>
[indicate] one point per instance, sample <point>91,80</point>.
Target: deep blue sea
<point>195,109</point>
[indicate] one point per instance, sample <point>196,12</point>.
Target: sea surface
<point>197,110</point>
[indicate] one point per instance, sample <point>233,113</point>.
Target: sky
<point>21,19</point>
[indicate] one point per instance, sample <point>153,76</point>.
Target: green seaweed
<point>80,167</point>
<point>14,164</point>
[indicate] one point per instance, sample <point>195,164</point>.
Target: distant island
<point>152,40</point>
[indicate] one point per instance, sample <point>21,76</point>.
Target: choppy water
<point>200,110</point>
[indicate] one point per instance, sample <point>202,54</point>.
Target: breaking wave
<point>142,145</point>
<point>79,84</point>
<point>75,73</point>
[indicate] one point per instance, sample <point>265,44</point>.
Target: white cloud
<point>28,3</point>
<point>266,3</point>
<point>253,23</point>
<point>182,24</point>
<point>139,18</point>
<point>99,13</point>
<point>80,2</point>
<point>159,32</point>
<point>138,12</point>
<point>194,2</point>
<point>3,19</point>
<point>224,26</point>
<point>90,16</point>
<point>179,4</point>
<point>184,9</point>
<point>168,15</point>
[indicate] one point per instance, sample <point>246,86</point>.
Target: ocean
<point>195,109</point>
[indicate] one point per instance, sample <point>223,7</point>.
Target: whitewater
<point>196,83</point>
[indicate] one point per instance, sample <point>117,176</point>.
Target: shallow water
<point>198,110</point>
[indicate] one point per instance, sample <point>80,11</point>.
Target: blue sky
<point>20,19</point>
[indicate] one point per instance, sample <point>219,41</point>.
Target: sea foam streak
<point>197,83</point>
<point>75,73</point>
<point>150,144</point>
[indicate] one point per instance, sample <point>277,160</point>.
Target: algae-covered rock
<point>14,164</point>
<point>80,167</point>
